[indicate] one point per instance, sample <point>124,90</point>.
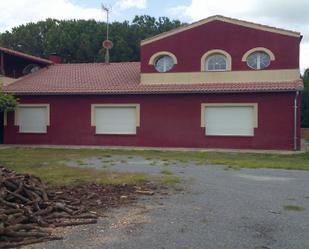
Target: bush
<point>8,102</point>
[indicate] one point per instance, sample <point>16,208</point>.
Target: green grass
<point>49,165</point>
<point>170,180</point>
<point>35,158</point>
<point>293,208</point>
<point>167,172</point>
<point>59,174</point>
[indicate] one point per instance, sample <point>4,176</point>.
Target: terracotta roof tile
<point>122,78</point>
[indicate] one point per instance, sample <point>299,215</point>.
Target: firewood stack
<point>28,209</point>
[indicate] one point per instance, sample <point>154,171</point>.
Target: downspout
<point>295,120</point>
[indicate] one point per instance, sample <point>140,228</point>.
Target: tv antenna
<point>107,44</point>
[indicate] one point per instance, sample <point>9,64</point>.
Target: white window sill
<point>228,135</point>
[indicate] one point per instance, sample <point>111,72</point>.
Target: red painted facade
<point>166,121</point>
<point>174,120</point>
<point>189,46</point>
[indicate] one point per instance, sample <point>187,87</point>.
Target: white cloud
<point>128,4</point>
<point>283,14</point>
<point>16,12</point>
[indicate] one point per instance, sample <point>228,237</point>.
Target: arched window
<point>216,62</point>
<point>164,63</point>
<point>258,58</point>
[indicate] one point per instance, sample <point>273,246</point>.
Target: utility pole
<point>107,44</point>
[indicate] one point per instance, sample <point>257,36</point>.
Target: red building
<point>217,83</point>
<point>13,65</point>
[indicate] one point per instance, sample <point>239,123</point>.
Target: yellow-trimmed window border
<point>254,105</point>
<point>155,56</point>
<point>259,49</point>
<point>216,51</point>
<point>137,110</point>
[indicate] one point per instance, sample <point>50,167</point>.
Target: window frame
<point>261,50</point>
<point>165,70</point>
<point>153,59</point>
<point>93,116</point>
<point>215,70</point>
<point>258,60</point>
<point>204,121</point>
<point>17,121</point>
<point>211,52</point>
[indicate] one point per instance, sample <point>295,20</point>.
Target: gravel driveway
<point>217,208</point>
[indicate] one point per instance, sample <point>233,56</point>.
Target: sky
<point>286,14</point>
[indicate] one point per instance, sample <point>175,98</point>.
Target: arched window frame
<point>155,56</point>
<point>216,51</point>
<point>258,49</point>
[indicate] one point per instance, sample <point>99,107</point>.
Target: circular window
<point>216,62</point>
<point>164,63</point>
<point>258,60</point>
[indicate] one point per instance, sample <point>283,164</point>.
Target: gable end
<point>223,19</point>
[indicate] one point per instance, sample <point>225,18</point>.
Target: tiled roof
<point>122,78</point>
<point>25,56</point>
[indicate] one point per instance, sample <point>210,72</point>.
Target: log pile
<point>28,209</point>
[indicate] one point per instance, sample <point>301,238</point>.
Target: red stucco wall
<point>190,45</point>
<point>166,121</point>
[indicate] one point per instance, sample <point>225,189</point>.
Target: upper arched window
<point>258,58</point>
<point>163,61</point>
<point>216,62</point>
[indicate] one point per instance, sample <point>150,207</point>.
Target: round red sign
<point>107,44</point>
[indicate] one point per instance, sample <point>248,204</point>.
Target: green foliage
<point>306,80</point>
<point>8,102</point>
<point>305,101</point>
<point>81,40</point>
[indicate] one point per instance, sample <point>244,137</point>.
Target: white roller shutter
<point>229,120</point>
<point>32,119</point>
<point>115,120</point>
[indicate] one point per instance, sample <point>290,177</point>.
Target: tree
<point>305,100</point>
<point>81,40</point>
<point>8,102</point>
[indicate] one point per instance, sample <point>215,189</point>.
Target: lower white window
<point>115,119</point>
<point>230,120</point>
<point>32,118</point>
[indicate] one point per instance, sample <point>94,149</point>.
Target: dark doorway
<point>1,127</point>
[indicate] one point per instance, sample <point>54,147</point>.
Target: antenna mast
<point>107,44</point>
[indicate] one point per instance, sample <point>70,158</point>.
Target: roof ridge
<point>96,63</point>
<point>223,19</point>
<point>258,24</point>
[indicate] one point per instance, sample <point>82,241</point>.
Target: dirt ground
<point>214,208</point>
